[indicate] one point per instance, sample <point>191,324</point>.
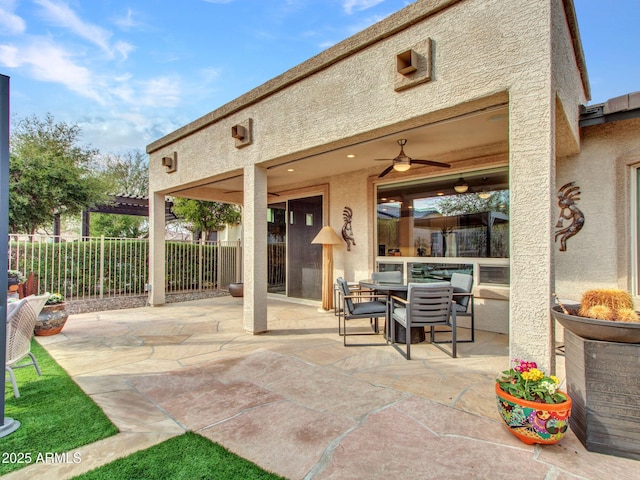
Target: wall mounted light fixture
<point>242,132</point>
<point>170,163</point>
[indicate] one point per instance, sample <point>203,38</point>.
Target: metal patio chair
<point>427,305</point>
<point>462,284</point>
<point>360,305</point>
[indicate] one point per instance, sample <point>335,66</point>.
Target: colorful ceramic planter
<point>534,422</point>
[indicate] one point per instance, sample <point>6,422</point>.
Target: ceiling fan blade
<point>433,163</point>
<point>385,171</point>
<point>383,159</point>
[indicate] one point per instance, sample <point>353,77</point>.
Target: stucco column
<point>254,220</point>
<point>532,184</point>
<point>156,249</point>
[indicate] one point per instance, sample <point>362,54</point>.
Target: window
<point>635,215</point>
<point>428,218</point>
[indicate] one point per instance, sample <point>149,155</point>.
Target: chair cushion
<point>344,288</point>
<point>462,283</point>
<point>366,308</point>
<point>459,307</point>
<point>400,315</point>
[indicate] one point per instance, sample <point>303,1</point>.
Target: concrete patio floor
<point>297,402</point>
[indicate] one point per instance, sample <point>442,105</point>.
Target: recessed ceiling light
<point>289,169</point>
<point>351,155</point>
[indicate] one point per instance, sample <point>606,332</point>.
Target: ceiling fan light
<point>461,186</point>
<point>401,166</point>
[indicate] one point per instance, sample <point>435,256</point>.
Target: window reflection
<point>428,218</point>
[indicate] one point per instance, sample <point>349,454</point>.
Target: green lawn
<point>55,414</point>
<point>188,456</point>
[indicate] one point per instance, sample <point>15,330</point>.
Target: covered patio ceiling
<point>471,135</point>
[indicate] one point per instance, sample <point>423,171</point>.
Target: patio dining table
<point>399,289</point>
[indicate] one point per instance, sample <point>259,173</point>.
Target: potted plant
<point>531,405</point>
<point>603,314</point>
<point>53,316</point>
<point>602,342</point>
<point>14,277</point>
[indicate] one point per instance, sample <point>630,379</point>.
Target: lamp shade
<point>461,186</point>
<point>327,236</point>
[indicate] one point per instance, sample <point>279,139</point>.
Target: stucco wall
<point>351,191</point>
<point>599,255</point>
<point>483,51</point>
<point>480,48</point>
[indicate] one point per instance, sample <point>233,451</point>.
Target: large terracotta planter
<point>236,289</point>
<point>51,320</point>
<point>534,422</point>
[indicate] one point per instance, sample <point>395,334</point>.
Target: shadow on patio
<point>296,401</point>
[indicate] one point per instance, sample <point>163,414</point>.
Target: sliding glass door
<point>295,264</point>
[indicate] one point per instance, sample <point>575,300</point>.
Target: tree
<point>127,174</point>
<point>118,226</point>
<point>204,216</point>
<point>50,174</point>
<point>498,201</point>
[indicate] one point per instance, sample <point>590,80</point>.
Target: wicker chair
<point>20,323</point>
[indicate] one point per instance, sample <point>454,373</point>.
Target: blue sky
<point>129,72</point>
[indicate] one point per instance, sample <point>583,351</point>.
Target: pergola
<point>122,204</point>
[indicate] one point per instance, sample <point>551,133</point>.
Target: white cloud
<point>160,92</point>
<point>60,14</point>
<point>9,56</point>
<point>10,23</point>
<point>127,21</point>
<point>124,49</point>
<point>48,62</point>
<point>350,6</point>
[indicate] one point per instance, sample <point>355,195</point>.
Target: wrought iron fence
<point>97,267</point>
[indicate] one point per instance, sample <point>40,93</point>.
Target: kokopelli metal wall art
<point>567,198</point>
<point>347,231</point>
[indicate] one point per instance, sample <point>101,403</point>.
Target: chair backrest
<point>344,289</point>
<point>20,328</point>
<point>429,303</point>
<point>392,276</point>
<point>462,283</point>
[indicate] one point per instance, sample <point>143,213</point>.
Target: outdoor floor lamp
<point>328,238</point>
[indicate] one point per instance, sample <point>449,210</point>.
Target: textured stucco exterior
<point>600,256</point>
<point>485,53</point>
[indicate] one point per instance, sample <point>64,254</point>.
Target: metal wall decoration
<point>347,231</point>
<point>567,198</point>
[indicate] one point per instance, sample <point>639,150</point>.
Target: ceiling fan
<point>402,162</point>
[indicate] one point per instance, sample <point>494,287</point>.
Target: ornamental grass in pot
<point>531,404</point>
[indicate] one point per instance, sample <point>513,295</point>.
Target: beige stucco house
<point>493,89</point>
